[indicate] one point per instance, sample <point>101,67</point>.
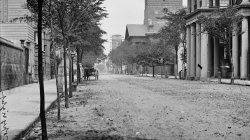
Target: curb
<point>24,132</point>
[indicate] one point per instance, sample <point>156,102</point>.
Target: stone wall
<point>12,65</point>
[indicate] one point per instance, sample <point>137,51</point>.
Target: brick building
<point>15,30</point>
<point>154,10</point>
<point>207,51</point>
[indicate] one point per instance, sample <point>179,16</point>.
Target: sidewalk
<point>223,81</point>
<point>23,105</point>
<point>228,81</point>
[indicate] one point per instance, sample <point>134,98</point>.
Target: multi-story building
<point>154,11</point>
<point>207,51</point>
<point>116,40</point>
<point>13,27</point>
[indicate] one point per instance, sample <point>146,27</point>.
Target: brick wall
<point>12,65</point>
<point>154,10</point>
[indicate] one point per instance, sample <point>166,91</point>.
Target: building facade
<point>205,54</point>
<point>154,10</point>
<point>18,31</point>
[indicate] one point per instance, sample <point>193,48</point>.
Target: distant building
<point>116,41</point>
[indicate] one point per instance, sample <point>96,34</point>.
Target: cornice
<point>244,10</point>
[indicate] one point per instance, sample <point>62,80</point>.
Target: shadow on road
<point>90,135</point>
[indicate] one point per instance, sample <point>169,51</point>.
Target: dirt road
<point>130,107</point>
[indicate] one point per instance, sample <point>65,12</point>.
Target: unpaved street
<point>131,107</point>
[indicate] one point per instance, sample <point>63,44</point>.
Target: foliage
<point>76,21</point>
<point>89,59</point>
<point>159,49</point>
<point>151,54</point>
<point>174,33</point>
<point>147,54</point>
<point>222,24</point>
<point>74,24</point>
<point>122,54</point>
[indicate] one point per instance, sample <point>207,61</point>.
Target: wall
<point>17,8</point>
<point>169,69</point>
<point>17,31</point>
<point>12,65</point>
<point>154,10</point>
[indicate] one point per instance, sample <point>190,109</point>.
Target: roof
<point>135,30</point>
<point>10,44</point>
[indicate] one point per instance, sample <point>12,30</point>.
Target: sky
<point>121,12</point>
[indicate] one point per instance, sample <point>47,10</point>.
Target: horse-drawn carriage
<point>90,72</point>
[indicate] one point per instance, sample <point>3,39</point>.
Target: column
<point>192,5</point>
<point>198,50</point>
<point>216,56</point>
<point>188,38</point>
<point>204,54</point>
<point>193,51</point>
<point>235,54</point>
<point>244,49</point>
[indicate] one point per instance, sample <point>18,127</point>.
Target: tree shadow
<point>88,135</point>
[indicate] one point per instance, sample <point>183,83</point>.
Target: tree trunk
<point>56,64</point>
<point>65,43</point>
<point>121,68</point>
<point>153,71</point>
<point>232,65</point>
<point>132,68</point>
<point>65,76</point>
<point>176,61</point>
<point>78,67</point>
<point>70,74</point>
<point>73,79</point>
<point>40,72</point>
<point>57,91</point>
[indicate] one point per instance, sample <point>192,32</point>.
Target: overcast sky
<point>122,12</point>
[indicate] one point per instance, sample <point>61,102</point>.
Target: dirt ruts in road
<point>130,107</point>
